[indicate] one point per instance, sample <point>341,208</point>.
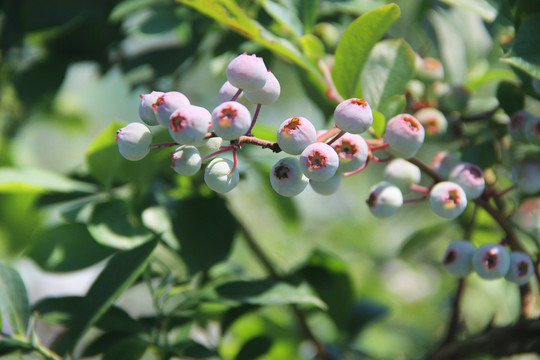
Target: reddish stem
<point>235,159</point>
<point>378,147</point>
<point>162,145</point>
<point>351,173</point>
<point>237,95</point>
<point>225,149</point>
<point>419,188</point>
<point>386,159</point>
<point>332,92</point>
<point>255,116</point>
<point>504,192</point>
<point>341,133</point>
<point>328,134</point>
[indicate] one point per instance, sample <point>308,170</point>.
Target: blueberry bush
<point>270,179</point>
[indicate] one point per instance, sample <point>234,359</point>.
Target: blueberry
<point>268,94</point>
<point>430,69</point>
<point>186,160</point>
<point>189,124</point>
<point>230,120</point>
<point>404,135</point>
<point>458,257</point>
<point>134,141</point>
<point>443,162</point>
<point>384,199</point>
<point>295,134</point>
<point>319,161</point>
<point>532,131</point>
<point>447,199</point>
<point>491,261</point>
<point>146,111</point>
<point>219,176</point>
<point>327,187</point>
<point>521,268</point>
<point>353,115</point>
<point>166,104</point>
<point>402,173</point>
<point>287,178</point>
<point>471,179</point>
<point>209,146</point>
<point>433,121</point>
<point>526,174</point>
<point>352,150</point>
<point>227,92</point>
<point>247,72</point>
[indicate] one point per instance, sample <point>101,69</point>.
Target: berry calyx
<point>295,134</point>
<point>230,120</point>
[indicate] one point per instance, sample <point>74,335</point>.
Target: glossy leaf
<point>14,299</point>
<point>230,14</point>
<point>393,106</point>
<point>38,181</point>
<point>355,45</point>
<point>112,224</point>
<point>284,16</point>
<point>120,273</point>
<point>379,123</point>
<point>525,53</point>
<point>254,348</point>
<point>67,247</point>
<point>386,73</point>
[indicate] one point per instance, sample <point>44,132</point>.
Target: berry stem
<point>419,188</point>
<point>453,326</point>
<point>378,147</point>
<point>504,192</point>
<point>379,160</point>
<point>162,145</point>
<point>332,92</point>
<point>265,144</point>
<point>225,149</point>
<point>255,116</point>
<point>235,160</point>
<point>238,92</point>
<point>328,134</point>
<point>415,200</point>
<point>341,133</point>
<point>351,173</point>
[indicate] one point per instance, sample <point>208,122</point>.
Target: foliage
<point>251,274</point>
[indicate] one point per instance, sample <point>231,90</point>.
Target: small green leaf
<point>510,97</point>
<point>355,45</point>
<point>267,292</point>
<point>308,14</point>
<point>131,348</point>
<point>13,180</point>
<point>393,106</point>
<point>254,348</point>
<point>112,224</point>
<point>284,16</point>
<point>67,247</point>
<point>525,53</point>
<point>386,73</point>
<point>379,123</point>
<point>312,47</point>
<point>14,299</point>
<point>120,273</point>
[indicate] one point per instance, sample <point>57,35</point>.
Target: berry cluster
<point>490,261</point>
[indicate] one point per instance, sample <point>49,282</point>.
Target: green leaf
<point>365,312</point>
<point>284,16</point>
<point>308,14</point>
<point>128,7</point>
<point>131,348</point>
<point>525,53</point>
<point>419,240</point>
<point>102,343</point>
<point>227,12</point>
<point>329,277</point>
<point>14,299</point>
<point>393,105</point>
<point>61,310</point>
<point>254,348</point>
<point>205,229</point>
<point>112,224</point>
<point>120,273</point>
<point>37,181</point>
<point>312,48</point>
<point>379,123</point>
<point>491,75</point>
<point>510,97</point>
<point>267,292</point>
<point>355,45</point>
<point>387,71</point>
<point>67,247</point>
<point>485,8</point>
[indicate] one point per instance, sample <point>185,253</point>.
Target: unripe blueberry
<point>319,161</point>
<point>209,146</point>
<point>218,176</point>
<point>188,125</point>
<point>402,173</point>
<point>471,179</point>
<point>352,150</point>
<point>526,174</point>
<point>295,134</point>
<point>146,111</point>
<point>230,120</point>
<point>186,160</point>
<point>518,123</point>
<point>404,135</point>
<point>384,199</point>
<point>327,187</point>
<point>458,257</point>
<point>416,88</point>
<point>268,94</point>
<point>433,121</point>
<point>134,141</point>
<point>521,268</point>
<point>491,261</point>
<point>286,177</point>
<point>532,131</point>
<point>431,69</point>
<point>447,199</point>
<point>247,72</point>
<point>227,92</point>
<point>443,162</point>
<point>166,104</point>
<point>353,115</point>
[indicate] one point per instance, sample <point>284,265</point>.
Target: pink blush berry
<point>319,161</point>
<point>268,94</point>
<point>230,120</point>
<point>189,124</point>
<point>146,111</point>
<point>295,134</point>
<point>247,72</point>
<point>404,135</point>
<point>352,150</point>
<point>166,104</point>
<point>471,179</point>
<point>353,115</point>
<point>443,162</point>
<point>433,121</point>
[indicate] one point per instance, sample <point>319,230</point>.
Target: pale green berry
<point>384,199</point>
<point>319,161</point>
<point>353,152</point>
<point>287,178</point>
<point>327,187</point>
<point>402,173</point>
<point>219,176</point>
<point>433,121</point>
<point>247,72</point>
<point>353,116</point>
<point>134,141</point>
<point>471,179</point>
<point>146,111</point>
<point>186,160</point>
<point>268,94</point>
